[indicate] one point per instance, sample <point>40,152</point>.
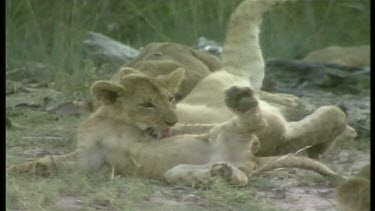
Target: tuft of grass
<point>221,194</point>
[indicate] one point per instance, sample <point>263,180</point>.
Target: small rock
<point>103,49</point>
<point>209,46</point>
<point>191,198</point>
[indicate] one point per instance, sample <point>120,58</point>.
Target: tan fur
<point>115,135</point>
<point>221,120</point>
<point>158,59</point>
<point>353,56</point>
<point>162,58</point>
<point>354,194</point>
<point>242,60</point>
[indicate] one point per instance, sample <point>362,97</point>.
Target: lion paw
<point>230,173</point>
<point>221,169</point>
<point>240,99</point>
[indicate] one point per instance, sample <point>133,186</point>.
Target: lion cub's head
<point>147,102</point>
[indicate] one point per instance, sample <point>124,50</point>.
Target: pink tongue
<point>166,133</point>
<point>163,134</point>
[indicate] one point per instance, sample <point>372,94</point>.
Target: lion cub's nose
<point>171,123</point>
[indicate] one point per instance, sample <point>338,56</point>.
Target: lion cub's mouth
<point>158,134</point>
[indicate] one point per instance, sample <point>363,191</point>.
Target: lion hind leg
<point>242,53</point>
<point>319,130</point>
<point>46,165</point>
<point>347,135</point>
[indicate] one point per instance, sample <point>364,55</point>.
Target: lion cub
<point>354,194</point>
<point>132,131</point>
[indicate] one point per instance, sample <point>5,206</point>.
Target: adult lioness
<point>162,58</point>
<point>135,110</point>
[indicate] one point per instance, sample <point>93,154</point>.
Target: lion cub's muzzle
<point>168,119</point>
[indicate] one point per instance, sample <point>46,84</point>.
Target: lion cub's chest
<point>110,141</point>
<point>118,143</point>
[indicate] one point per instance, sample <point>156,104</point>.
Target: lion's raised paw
<point>240,99</point>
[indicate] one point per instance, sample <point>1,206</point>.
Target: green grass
<point>51,32</point>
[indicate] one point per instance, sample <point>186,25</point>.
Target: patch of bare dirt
<point>69,203</point>
<point>291,191</point>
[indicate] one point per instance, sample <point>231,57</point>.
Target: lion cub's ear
<point>172,80</point>
<point>105,91</point>
<point>123,72</point>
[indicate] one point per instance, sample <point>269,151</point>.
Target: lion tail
<point>270,163</point>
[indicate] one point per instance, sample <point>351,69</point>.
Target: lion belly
<point>156,157</point>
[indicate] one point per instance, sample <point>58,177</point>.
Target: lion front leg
<point>197,174</point>
<point>279,99</point>
<point>182,129</point>
<point>236,139</point>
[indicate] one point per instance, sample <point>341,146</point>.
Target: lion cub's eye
<point>171,99</point>
<point>147,105</point>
